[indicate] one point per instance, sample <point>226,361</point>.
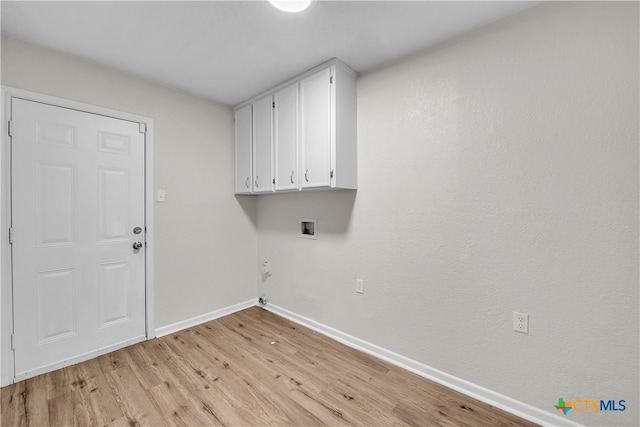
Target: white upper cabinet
<point>329,128</point>
<point>286,138</point>
<point>263,145</point>
<point>315,129</point>
<point>304,133</point>
<point>244,182</point>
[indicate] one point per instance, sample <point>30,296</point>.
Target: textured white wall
<point>497,173</point>
<point>205,239</point>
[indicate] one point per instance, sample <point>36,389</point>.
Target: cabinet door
<point>315,132</point>
<point>262,145</point>
<point>244,184</point>
<point>286,138</point>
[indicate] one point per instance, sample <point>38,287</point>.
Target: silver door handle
<point>137,245</point>
<point>246,182</point>
<point>256,182</point>
<point>305,175</point>
<point>292,176</point>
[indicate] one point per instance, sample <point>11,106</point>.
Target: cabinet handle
<point>292,177</point>
<point>305,175</point>
<point>246,182</point>
<point>257,181</point>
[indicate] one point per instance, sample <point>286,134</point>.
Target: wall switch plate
<point>521,322</point>
<point>360,286</point>
<point>161,196</point>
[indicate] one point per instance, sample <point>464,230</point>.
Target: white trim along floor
<point>482,394</point>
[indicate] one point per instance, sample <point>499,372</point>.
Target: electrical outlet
<point>521,322</point>
<point>360,286</point>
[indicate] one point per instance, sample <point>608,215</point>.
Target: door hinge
<point>143,127</point>
<point>274,180</point>
<point>273,104</point>
<point>13,341</point>
<point>331,80</point>
<point>10,127</point>
<point>11,235</point>
<point>331,174</point>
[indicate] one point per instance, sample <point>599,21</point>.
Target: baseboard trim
<point>480,393</point>
<point>188,323</point>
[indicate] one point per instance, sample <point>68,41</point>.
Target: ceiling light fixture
<point>291,6</point>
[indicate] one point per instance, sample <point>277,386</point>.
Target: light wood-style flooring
<point>251,368</point>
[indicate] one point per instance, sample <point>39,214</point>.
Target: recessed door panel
<point>114,143</point>
<point>115,281</point>
<point>56,204</point>
<point>57,306</point>
<point>56,134</point>
<point>113,189</point>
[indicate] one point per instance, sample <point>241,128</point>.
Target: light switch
<point>161,197</point>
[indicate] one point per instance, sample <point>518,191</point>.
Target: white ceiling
<point>229,51</point>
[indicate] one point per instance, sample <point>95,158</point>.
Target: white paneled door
<point>78,235</point>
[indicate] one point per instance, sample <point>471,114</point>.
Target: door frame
<point>7,372</point>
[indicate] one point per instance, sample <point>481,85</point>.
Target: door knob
<point>137,245</point>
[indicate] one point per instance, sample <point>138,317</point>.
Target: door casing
<point>6,291</point>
